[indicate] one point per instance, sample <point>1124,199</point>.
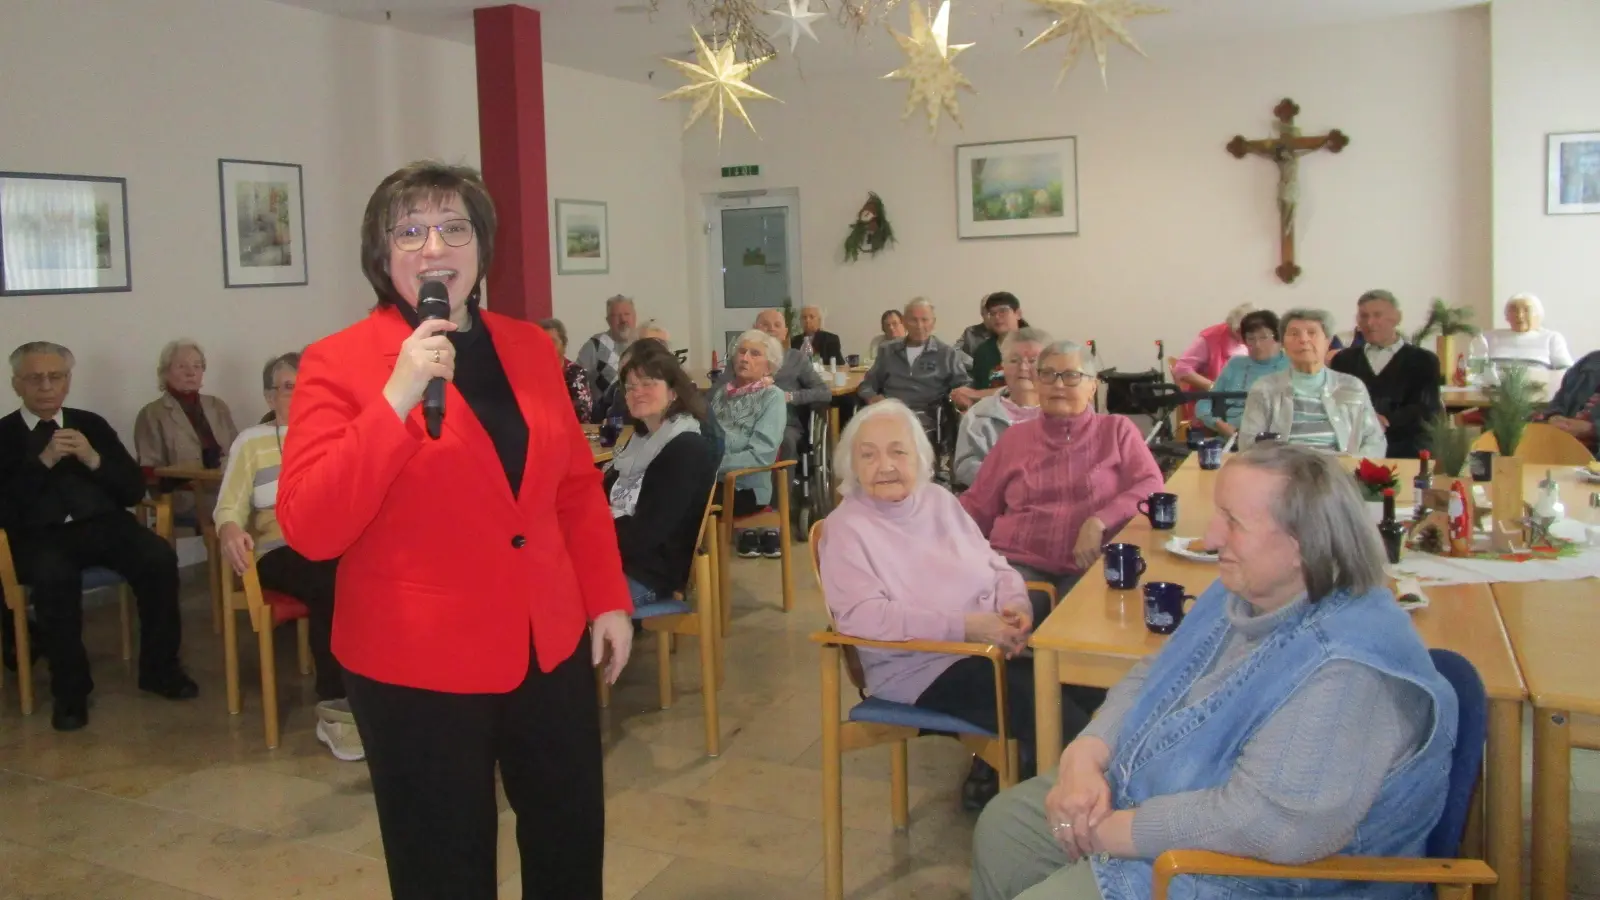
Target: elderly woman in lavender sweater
<point>901,560</point>
<point>1293,714</point>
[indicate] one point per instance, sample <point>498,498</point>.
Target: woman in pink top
<point>901,560</point>
<point>1200,365</point>
<point>1055,489</point>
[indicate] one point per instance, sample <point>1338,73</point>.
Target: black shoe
<point>173,685</point>
<point>69,715</point>
<point>771,543</point>
<point>748,543</point>
<point>981,786</point>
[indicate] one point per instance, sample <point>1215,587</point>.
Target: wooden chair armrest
<point>1173,863</point>
<point>1046,588</point>
<point>954,648</point>
<point>159,509</point>
<point>8,573</point>
<point>728,477</point>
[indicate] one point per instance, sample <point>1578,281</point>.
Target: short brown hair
<point>425,181</point>
<point>652,359</point>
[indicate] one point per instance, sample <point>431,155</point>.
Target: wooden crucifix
<point>1285,150</point>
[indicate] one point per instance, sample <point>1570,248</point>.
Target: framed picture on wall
<point>583,240</point>
<point>1574,172</point>
<point>63,234</point>
<point>263,224</point>
<point>1017,188</point>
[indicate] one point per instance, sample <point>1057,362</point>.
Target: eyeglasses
<point>40,379</point>
<point>1068,377</point>
<point>1020,361</point>
<point>411,238</point>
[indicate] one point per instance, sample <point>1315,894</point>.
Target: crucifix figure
<point>1285,150</point>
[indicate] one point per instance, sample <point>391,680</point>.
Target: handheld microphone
<point>433,302</point>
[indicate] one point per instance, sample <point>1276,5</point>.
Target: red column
<point>511,143</point>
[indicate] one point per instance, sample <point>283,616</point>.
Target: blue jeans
<point>641,594</point>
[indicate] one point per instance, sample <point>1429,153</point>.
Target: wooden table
<point>190,472</point>
<point>1477,398</point>
<point>1097,634</point>
<point>852,383</point>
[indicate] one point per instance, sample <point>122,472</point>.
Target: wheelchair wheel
<point>803,524</point>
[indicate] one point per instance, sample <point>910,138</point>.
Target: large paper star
<point>929,65</point>
<point>1091,22</point>
<point>796,20</point>
<point>717,77</point>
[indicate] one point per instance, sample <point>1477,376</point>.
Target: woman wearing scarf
<point>752,413</point>
<point>658,482</point>
<point>183,426</point>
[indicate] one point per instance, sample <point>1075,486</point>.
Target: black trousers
<point>311,582</point>
<point>432,757</point>
<point>51,562</point>
<point>966,690</point>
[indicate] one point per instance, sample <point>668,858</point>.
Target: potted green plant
<point>1447,321</point>
<point>1450,443</point>
<point>1512,404</point>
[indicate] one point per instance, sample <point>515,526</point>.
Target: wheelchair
<point>813,472</point>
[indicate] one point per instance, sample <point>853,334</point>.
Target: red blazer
<point>443,573</point>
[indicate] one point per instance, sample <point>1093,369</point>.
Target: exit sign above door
<point>740,171</point>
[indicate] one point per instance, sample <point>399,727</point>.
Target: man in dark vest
<point>1403,379</point>
<point>66,481</point>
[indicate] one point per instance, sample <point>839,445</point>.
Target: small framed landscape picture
<point>63,234</point>
<point>583,242</point>
<point>263,224</point>
<point>1574,172</point>
<point>1017,188</point>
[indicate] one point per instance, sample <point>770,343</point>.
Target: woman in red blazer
<point>470,566</point>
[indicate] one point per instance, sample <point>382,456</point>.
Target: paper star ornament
<point>717,78</point>
<point>1093,23</point>
<point>929,65</point>
<point>795,21</point>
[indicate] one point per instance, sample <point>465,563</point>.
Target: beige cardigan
<point>162,436</point>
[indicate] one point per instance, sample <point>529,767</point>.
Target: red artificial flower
<point>1376,476</point>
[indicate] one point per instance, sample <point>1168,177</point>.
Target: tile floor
<point>161,801</point>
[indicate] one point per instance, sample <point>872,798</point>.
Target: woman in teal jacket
<point>751,412</point>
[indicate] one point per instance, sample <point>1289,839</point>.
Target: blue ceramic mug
<point>1162,511</point>
<point>1211,453</point>
<point>1124,564</point>
<point>1164,606</point>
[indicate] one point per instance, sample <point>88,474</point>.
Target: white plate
<point>1407,584</point>
<point>1179,546</point>
<point>1586,475</point>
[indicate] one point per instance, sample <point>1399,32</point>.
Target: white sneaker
<point>336,727</point>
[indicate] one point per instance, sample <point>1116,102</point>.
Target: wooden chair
<point>267,610</point>
<point>669,618</point>
<point>156,513</point>
<point>1542,444</point>
<point>1454,877</point>
<point>767,518</point>
<point>873,722</point>
<point>1185,415</point>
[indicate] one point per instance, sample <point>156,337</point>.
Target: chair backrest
<point>852,660</point>
<point>1542,445</point>
<point>1466,762</point>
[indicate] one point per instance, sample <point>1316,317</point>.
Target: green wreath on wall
<point>870,232</point>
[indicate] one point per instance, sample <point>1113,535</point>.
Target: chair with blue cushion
<point>157,513</point>
<point>875,721</point>
<point>1453,876</point>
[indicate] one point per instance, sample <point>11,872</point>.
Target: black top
<point>824,344</point>
<point>482,381</point>
<point>33,496</point>
<point>1406,393</point>
<point>657,541</point>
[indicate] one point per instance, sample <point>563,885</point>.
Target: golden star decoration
<point>929,65</point>
<point>1091,22</point>
<point>719,78</point>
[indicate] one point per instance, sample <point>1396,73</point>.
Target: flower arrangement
<point>1373,478</point>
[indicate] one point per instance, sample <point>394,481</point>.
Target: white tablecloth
<point>1430,569</point>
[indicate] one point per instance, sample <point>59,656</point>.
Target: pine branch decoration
<point>1445,320</point>
<point>1449,442</point>
<point>1511,404</point>
<point>870,232</point>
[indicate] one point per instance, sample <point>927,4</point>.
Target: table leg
<point>1047,707</point>
<point>1552,784</point>
<point>1502,787</point>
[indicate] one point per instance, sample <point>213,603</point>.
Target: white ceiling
<point>618,38</point>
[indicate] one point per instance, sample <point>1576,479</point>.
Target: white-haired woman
<point>901,560</point>
<point>1202,362</point>
<point>1525,341</point>
<point>1311,404</point>
<point>1017,402</point>
<point>752,414</point>
<point>1294,714</point>
<point>183,427</point>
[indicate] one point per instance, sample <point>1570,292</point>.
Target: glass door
<point>754,247</point>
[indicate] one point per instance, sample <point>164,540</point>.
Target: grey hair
<point>844,467</point>
<point>923,302</point>
<point>1339,548</point>
<point>652,327</point>
<point>32,347</point>
<point>617,300</point>
<point>1237,314</point>
<point>770,348</point>
<point>1534,305</point>
<point>556,326</point>
<point>1301,314</point>
<point>169,352</point>
<point>1086,361</point>
<point>292,360</point>
<point>1024,336</point>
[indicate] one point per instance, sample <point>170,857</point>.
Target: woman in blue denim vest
<point>1293,715</point>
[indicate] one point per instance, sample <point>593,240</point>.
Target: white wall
<point>1546,70</point>
<point>1174,230</point>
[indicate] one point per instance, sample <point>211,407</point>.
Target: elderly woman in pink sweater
<point>1053,490</point>
<point>901,560</point>
<point>1202,362</point>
